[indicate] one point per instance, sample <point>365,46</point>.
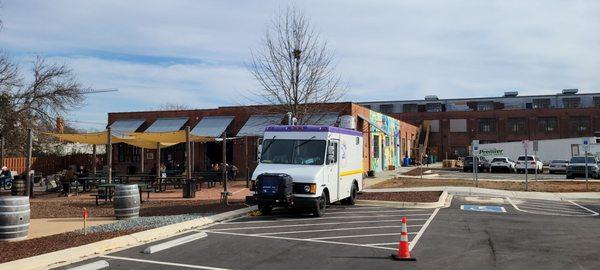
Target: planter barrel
<point>126,201</point>
<point>14,218</point>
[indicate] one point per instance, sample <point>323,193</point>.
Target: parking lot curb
<point>70,255</point>
<point>440,203</point>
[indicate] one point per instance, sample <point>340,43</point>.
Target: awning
<point>121,127</point>
<point>375,125</point>
<point>173,137</point>
<point>324,119</point>
<point>167,124</point>
<point>256,124</point>
<point>88,138</point>
<point>212,126</point>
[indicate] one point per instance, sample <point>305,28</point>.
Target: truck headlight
<point>307,188</point>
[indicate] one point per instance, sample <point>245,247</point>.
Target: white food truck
<point>308,167</point>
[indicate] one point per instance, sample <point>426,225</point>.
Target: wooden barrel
<point>14,218</point>
<point>18,187</point>
<point>126,201</point>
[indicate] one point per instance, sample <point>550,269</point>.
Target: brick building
<point>387,140</point>
<point>454,123</point>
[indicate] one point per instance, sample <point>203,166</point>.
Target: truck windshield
<point>304,152</point>
<point>582,160</point>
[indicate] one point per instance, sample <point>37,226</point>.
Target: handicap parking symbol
<point>483,208</point>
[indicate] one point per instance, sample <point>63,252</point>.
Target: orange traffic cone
<point>403,249</point>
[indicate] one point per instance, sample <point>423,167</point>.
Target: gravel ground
<point>141,223</point>
<point>73,208</point>
<point>424,196</point>
<point>10,251</point>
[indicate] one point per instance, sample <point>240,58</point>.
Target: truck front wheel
<point>265,209</point>
<point>319,210</point>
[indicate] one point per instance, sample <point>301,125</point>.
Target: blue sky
<point>195,52</point>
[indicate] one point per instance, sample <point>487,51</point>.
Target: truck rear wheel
<point>319,210</point>
<point>352,199</point>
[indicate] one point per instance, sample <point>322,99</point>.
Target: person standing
<point>66,181</point>
<point>5,175</point>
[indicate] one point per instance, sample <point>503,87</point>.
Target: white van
<point>308,167</point>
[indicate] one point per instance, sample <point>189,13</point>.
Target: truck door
<point>333,170</point>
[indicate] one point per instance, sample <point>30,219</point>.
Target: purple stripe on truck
<point>311,128</point>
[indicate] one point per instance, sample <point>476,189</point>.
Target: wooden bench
<point>210,178</point>
<point>147,191</point>
<point>106,197</point>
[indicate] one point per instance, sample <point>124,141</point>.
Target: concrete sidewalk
<point>40,227</point>
<point>502,193</point>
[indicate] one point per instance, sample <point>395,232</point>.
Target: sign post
<point>475,151</point>
<point>85,217</point>
<point>586,149</point>
<point>526,147</point>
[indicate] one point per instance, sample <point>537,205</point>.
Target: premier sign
<point>491,152</point>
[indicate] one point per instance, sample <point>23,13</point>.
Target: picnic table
<point>106,192</point>
<point>141,177</point>
<point>176,181</point>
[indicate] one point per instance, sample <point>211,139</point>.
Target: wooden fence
<point>51,164</point>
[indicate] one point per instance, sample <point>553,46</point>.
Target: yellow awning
<point>168,137</point>
<point>144,140</point>
<point>88,138</point>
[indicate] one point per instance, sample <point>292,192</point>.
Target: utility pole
<point>2,152</point>
<point>188,154</point>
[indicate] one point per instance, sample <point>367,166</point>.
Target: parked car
<point>483,165</point>
<point>558,166</point>
<point>576,167</point>
<point>503,164</point>
<point>533,164</point>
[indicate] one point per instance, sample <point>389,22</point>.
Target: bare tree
<point>295,69</point>
<point>52,92</point>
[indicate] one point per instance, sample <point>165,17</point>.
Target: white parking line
<point>383,244</point>
<point>337,229</point>
<point>357,236</point>
<point>312,224</point>
<point>162,263</point>
<point>553,209</point>
<point>174,242</point>
<point>594,213</point>
<point>422,230</point>
<point>549,212</point>
<point>321,218</point>
<point>384,211</point>
<point>303,240</point>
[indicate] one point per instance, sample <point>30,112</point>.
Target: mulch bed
<point>417,171</point>
<point>410,196</point>
<point>10,251</point>
<point>73,208</point>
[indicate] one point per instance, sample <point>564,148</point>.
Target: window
<point>386,108</point>
<point>305,152</point>
<point>516,126</point>
<point>410,108</point>
<point>335,152</point>
<point>573,102</point>
<point>547,124</point>
<point>375,146</point>
<point>128,153</point>
<point>433,107</point>
<point>541,103</point>
<point>367,106</point>
<point>579,125</point>
<point>487,125</point>
<point>458,151</point>
<point>458,125</point>
<point>597,102</point>
<point>485,106</point>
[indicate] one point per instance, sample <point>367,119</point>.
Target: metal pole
<point>109,155</point>
<point>476,162</point>
<point>94,152</point>
<point>142,160</point>
<point>536,168</point>
<point>247,166</point>
<point>188,155</point>
<point>526,170</point>
<point>224,169</point>
<point>29,179</point>
<point>586,169</point>
<point>193,156</point>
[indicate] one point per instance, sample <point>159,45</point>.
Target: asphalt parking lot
<point>364,237</point>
